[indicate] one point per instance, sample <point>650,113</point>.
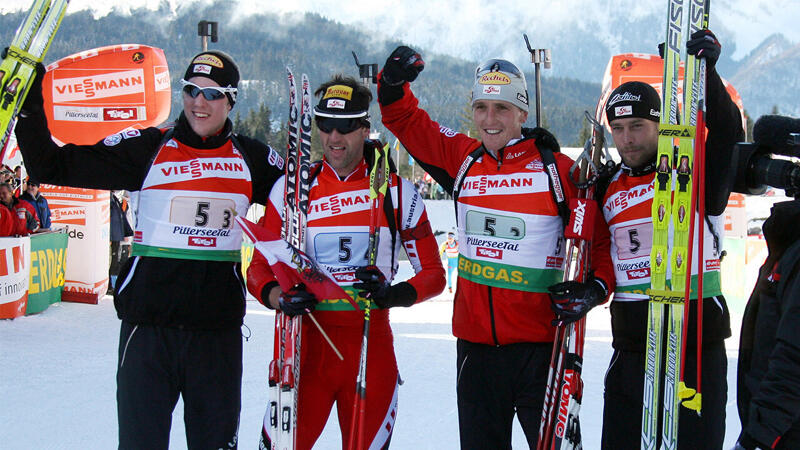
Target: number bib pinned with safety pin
<point>186,206</point>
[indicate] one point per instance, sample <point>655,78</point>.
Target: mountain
<point>768,78</point>
<point>264,44</point>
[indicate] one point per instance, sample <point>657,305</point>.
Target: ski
<point>560,425</point>
<point>674,202</point>
<point>279,430</point>
<point>378,186</point>
<point>18,67</point>
<point>694,92</point>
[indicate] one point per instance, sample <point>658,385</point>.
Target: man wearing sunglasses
<point>511,244</point>
<point>338,234</point>
<point>181,295</point>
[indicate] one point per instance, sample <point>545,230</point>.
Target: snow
<point>58,374</point>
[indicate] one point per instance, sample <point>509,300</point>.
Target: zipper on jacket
<point>491,317</point>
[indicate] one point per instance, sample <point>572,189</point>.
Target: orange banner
<point>649,69</point>
<point>99,92</point>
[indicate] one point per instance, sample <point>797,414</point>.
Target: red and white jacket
<point>510,234</point>
<point>337,232</point>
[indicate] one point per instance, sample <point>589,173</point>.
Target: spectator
<point>39,203</point>
<point>119,229</point>
<point>18,185</point>
<point>25,212</point>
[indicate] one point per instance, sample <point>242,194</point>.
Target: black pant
<point>494,383</point>
<point>156,364</point>
<point>622,411</point>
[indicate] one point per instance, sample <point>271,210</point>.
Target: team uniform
<point>511,248</point>
<point>181,296</point>
<point>626,205</point>
<point>451,251</point>
<point>337,238</point>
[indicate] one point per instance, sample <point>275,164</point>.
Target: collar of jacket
<point>185,134</point>
<point>639,171</point>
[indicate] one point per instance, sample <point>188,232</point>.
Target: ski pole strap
<point>462,172</point>
<point>549,161</point>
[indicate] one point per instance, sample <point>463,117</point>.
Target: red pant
<point>325,379</point>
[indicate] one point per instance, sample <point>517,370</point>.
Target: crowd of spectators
<point>430,190</point>
<point>23,209</point>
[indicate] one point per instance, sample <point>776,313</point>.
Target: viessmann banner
<point>91,95</point>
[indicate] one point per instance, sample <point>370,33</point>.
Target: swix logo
<point>111,114</point>
<point>554,262</point>
<point>580,210</point>
<point>196,241</point>
<point>563,403</point>
<point>637,274</point>
<point>489,253</point>
<point>712,264</point>
<point>102,85</point>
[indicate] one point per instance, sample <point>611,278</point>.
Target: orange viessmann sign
<point>99,92</point>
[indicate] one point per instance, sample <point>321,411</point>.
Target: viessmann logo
<point>101,85</point>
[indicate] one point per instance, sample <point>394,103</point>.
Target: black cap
<point>217,66</point>
<point>342,101</point>
<point>633,99</point>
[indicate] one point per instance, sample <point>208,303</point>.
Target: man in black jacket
<point>633,112</point>
<point>181,296</point>
<point>768,384</point>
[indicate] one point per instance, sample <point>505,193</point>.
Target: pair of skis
<point>560,427</point>
<point>18,67</point>
<point>681,205</point>
<point>279,431</point>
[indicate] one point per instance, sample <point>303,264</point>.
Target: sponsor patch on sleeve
<point>275,159</point>
<point>446,131</point>
<point>116,138</point>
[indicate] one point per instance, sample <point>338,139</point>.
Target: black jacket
<point>768,378</point>
<point>162,291</point>
<point>724,124</point>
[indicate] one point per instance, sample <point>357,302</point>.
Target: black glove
<point>746,442</point>
<point>297,301</point>
<point>571,300</point>
<point>34,101</point>
<point>545,139</point>
<point>704,44</point>
<point>375,287</point>
<point>404,64</point>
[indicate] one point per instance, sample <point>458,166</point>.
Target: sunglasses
<point>495,65</point>
<point>340,124</point>
<point>210,93</point>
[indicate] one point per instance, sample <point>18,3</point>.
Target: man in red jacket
<point>337,238</point>
<point>511,245</point>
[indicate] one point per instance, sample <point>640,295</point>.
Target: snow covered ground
<point>57,376</point>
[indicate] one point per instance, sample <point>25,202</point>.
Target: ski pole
<point>538,56</point>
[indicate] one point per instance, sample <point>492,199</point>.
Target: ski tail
<point>18,66</point>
